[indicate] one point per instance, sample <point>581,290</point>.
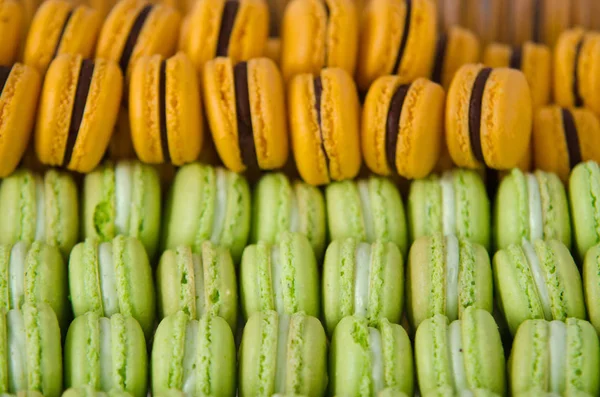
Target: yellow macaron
<point>455,48</point>
<point>540,21</point>
<point>12,30</point>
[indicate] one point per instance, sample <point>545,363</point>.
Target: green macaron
<point>106,353</point>
<point>368,209</point>
<point>448,391</point>
<point>27,393</point>
<point>391,392</point>
<point>113,277</point>
<point>537,392</point>
<point>555,356</point>
<point>531,206</point>
<point>462,354</point>
<point>282,354</point>
<point>280,205</point>
<point>365,360</point>
<point>453,203</point>
<point>123,198</point>
<point>194,356</point>
<point>30,351</point>
<point>207,203</point>
<point>33,273</point>
<point>198,283</point>
<point>89,391</point>
<point>591,285</point>
<point>364,279</point>
<point>282,276</point>
<point>45,208</point>
<point>537,280</point>
<point>170,393</point>
<point>445,276</point>
<point>584,194</point>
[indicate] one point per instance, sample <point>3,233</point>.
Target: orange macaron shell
<point>180,133</point>
<point>504,122</point>
<point>329,150</point>
<point>264,99</point>
<point>418,134</point>
<point>461,47</point>
<point>12,27</point>
<point>59,27</point>
<point>58,141</point>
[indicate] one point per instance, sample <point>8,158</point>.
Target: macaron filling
<point>16,274</point>
<point>362,278</point>
<point>133,36</point>
<point>404,40</point>
<point>392,126</point>
<point>475,108</point>
<point>62,32</point>
<point>84,82</point>
<point>230,10</point>
<point>294,213</point>
<point>17,351</point>
<point>40,209</point>
<point>538,277</point>
<point>108,279</point>
<point>365,203</point>
<point>190,353</point>
<point>516,58</point>
<point>452,270</point>
<point>448,203</point>
<point>277,279</point>
<point>440,56</point>
<point>123,196</point>
<point>534,200</point>
<point>456,355</point>
<point>164,134</point>
<point>571,137</point>
<point>244,116</point>
<point>557,348</point>
<point>576,78</point>
<point>105,353</point>
<point>4,75</point>
<point>376,353</point>
<point>221,200</point>
<point>282,351</point>
<point>318,90</point>
<point>198,284</point>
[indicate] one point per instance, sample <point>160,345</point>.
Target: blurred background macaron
<point>541,21</point>
<point>454,48</point>
<point>584,187</point>
<point>13,29</point>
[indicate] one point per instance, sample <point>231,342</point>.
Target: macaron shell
<point>462,47</point>
<point>589,63</point>
<point>14,23</point>
<point>584,187</point>
<point>591,284</point>
<point>564,66</point>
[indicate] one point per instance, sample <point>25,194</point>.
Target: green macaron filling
<point>40,209</point>
<point>16,274</point>
<point>366,209</point>
<point>220,205</point>
<point>554,285</point>
<point>107,273</point>
<point>377,360</point>
<point>452,272</point>
<point>456,356</point>
<point>362,278</point>
<point>557,348</point>
<point>103,330</point>
<point>448,197</point>
<point>190,366</point>
<point>525,279</point>
<point>534,201</point>
<point>539,279</point>
<point>123,196</point>
<point>104,212</point>
<point>17,351</point>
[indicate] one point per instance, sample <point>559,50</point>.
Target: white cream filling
<point>536,227</point>
<point>538,278</point>
<point>557,346</point>
<point>220,205</point>
<point>362,278</point>
<point>123,194</point>
<point>276,279</point>
<point>294,213</point>
<point>365,203</point>
<point>452,269</point>
<point>457,363</point>
<point>189,358</point>
<point>40,209</point>
<point>448,204</point>
<point>108,279</point>
<point>16,274</point>
<point>106,364</point>
<point>282,346</point>
<point>198,284</point>
<point>17,351</point>
<point>376,350</point>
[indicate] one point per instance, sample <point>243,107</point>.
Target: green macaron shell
<point>196,194</point>
<point>88,391</point>
<point>100,208</point>
<point>296,270</point>
<point>170,393</point>
<point>584,196</point>
<point>591,285</point>
<point>19,207</point>
<point>391,392</point>
<point>512,209</point>
<point>128,358</point>
<point>351,358</point>
<point>482,352</point>
<point>541,393</point>
<point>368,210</point>
<point>385,284</point>
<point>448,391</point>
<point>198,284</point>
<point>28,393</point>
<point>427,281</point>
<point>211,359</point>
<point>515,284</point>
<point>530,362</point>
<point>132,275</point>
<point>471,206</point>
<point>304,360</point>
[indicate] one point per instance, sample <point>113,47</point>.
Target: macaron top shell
<point>448,391</point>
<point>89,391</point>
<point>584,188</point>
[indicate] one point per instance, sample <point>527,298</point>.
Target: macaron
<point>364,360</point>
<point>31,356</point>
<point>14,25</point>
<point>367,209</point>
<point>19,93</point>
<point>78,109</point>
<point>164,110</point>
<point>198,284</point>
<point>280,205</point>
<point>584,187</point>
<point>446,275</point>
<point>591,284</point>
<point>454,203</point>
<point>27,393</point>
<point>123,198</point>
<point>197,357</point>
<point>135,28</point>
<point>324,118</point>
<point>454,48</point>
<point>531,206</point>
<point>462,354</point>
<point>534,60</point>
<point>89,391</point>
<point>391,392</point>
<point>113,277</point>
<point>564,137</point>
<point>61,27</point>
<point>402,126</point>
<point>282,276</point>
<point>448,391</point>
<point>245,108</point>
<point>207,203</point>
<point>396,37</point>
<point>362,279</point>
<point>44,208</point>
<point>102,6</point>
<point>559,357</point>
<point>576,65</point>
<point>106,353</point>
<point>273,49</point>
<point>537,279</point>
<point>488,117</point>
<point>540,21</point>
<point>282,354</point>
<point>319,34</point>
<point>236,29</point>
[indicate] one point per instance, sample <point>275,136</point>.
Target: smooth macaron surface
<point>89,391</point>
<point>454,48</point>
<point>584,188</point>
